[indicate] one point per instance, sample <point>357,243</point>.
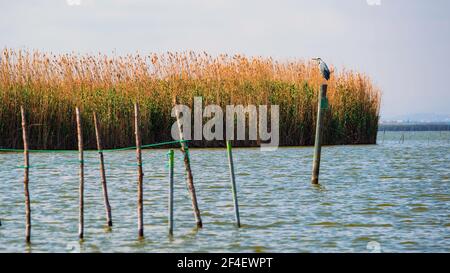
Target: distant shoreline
<point>432,126</point>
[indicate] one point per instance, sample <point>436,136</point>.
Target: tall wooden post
<point>171,192</point>
<point>322,104</point>
<point>102,172</point>
<point>140,198</point>
<point>187,165</point>
<point>26,167</point>
<point>233,183</point>
<point>81,185</point>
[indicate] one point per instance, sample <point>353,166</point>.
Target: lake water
<point>390,197</point>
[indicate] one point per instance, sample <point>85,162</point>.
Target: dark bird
<point>323,68</point>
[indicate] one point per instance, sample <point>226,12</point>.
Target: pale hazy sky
<point>403,45</point>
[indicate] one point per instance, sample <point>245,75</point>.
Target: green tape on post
<point>228,146</point>
<point>171,153</point>
<point>186,149</point>
<point>324,103</point>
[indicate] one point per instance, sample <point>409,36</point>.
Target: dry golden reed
<point>51,85</point>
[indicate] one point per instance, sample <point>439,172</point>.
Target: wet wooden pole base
<point>81,185</point>
<point>26,167</point>
<point>171,192</point>
<point>318,139</point>
<point>102,172</point>
<point>233,183</point>
<point>140,204</point>
<point>190,178</point>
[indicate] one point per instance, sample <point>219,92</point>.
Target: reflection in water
<point>387,197</point>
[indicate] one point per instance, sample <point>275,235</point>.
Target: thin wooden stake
<point>26,167</point>
<point>318,139</point>
<point>140,173</point>
<point>171,192</point>
<point>81,186</point>
<point>233,183</point>
<point>190,178</point>
<point>102,172</point>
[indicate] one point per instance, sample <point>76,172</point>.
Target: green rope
<point>34,166</point>
<point>92,162</point>
<point>105,150</point>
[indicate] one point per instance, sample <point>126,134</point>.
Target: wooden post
<point>233,183</point>
<point>190,178</point>
<point>26,167</point>
<point>322,104</point>
<point>81,186</point>
<point>140,204</point>
<point>102,172</point>
<point>171,192</point>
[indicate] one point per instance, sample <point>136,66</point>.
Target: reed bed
<point>51,85</point>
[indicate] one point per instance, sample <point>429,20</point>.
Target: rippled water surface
<point>392,197</point>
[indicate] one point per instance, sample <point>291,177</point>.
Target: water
<point>390,197</point>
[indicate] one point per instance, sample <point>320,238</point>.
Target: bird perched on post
<point>323,68</point>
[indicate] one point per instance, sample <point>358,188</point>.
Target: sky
<point>403,45</point>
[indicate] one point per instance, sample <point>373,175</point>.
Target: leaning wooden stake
<point>102,172</point>
<point>233,183</point>
<point>322,104</point>
<point>140,204</point>
<point>26,167</point>
<point>81,186</point>
<point>171,192</point>
<point>187,165</point>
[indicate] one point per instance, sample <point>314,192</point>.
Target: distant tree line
<point>415,127</point>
